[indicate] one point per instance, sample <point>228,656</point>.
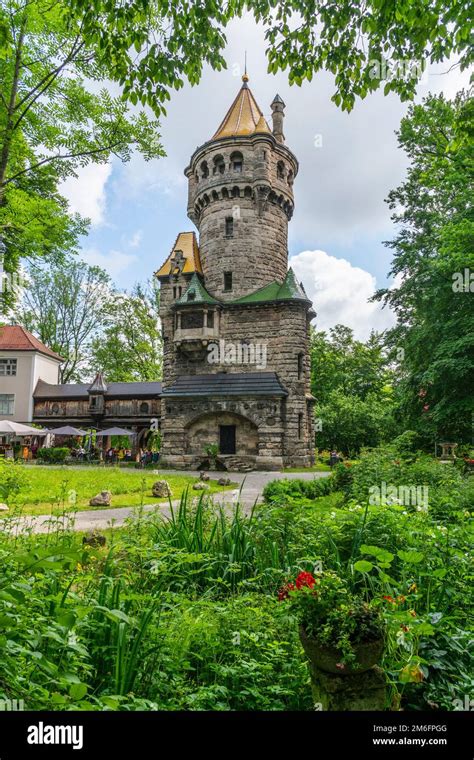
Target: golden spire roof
<point>184,257</point>
<point>244,117</point>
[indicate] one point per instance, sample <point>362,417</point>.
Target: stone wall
<point>192,424</point>
<point>259,200</point>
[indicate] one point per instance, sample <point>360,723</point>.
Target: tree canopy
<point>434,262</point>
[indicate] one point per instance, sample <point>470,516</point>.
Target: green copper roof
<point>195,293</point>
<point>290,290</point>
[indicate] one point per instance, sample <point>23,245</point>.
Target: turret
<point>241,199</point>
<point>278,114</point>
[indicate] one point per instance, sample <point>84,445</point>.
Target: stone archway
<point>221,428</point>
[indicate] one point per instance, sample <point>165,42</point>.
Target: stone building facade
<point>235,320</point>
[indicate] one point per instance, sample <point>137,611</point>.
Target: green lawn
<point>57,489</point>
<point>318,467</point>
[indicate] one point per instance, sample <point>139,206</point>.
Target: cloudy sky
<point>348,164</point>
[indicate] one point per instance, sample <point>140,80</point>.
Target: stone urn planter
<point>327,659</point>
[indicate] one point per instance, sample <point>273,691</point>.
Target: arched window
<point>236,161</point>
<point>248,192</point>
<point>280,170</point>
<point>204,170</point>
<point>235,192</point>
<point>219,165</point>
<point>144,407</point>
<point>215,196</point>
<point>290,178</point>
<point>225,192</point>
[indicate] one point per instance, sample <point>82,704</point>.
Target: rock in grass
<point>161,488</point>
<point>102,499</point>
<point>224,482</point>
<point>94,539</point>
<point>3,508</point>
<point>204,476</point>
<point>200,486</point>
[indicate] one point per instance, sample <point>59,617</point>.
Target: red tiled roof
<point>16,338</point>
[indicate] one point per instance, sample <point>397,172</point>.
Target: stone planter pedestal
<point>361,689</point>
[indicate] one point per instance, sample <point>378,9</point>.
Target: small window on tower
<point>237,162</point>
<point>174,291</point>
<point>229,226</point>
<point>300,426</point>
<point>300,366</point>
<point>227,281</point>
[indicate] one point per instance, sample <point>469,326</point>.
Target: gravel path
<point>250,489</point>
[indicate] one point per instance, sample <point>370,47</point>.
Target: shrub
<point>54,455</point>
<point>279,490</point>
<point>12,479</point>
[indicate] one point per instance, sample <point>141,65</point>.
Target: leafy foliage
<point>433,252</point>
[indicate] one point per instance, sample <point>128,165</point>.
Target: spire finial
<point>245,78</point>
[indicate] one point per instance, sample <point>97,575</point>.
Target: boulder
<point>200,486</point>
<point>94,539</point>
<point>3,508</point>
<point>102,499</point>
<point>161,489</point>
<point>224,482</point>
<point>204,476</point>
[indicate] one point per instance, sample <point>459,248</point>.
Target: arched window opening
<point>237,162</point>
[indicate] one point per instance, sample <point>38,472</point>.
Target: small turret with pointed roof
<point>98,385</point>
<point>278,114</point>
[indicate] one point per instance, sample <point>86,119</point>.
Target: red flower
<point>426,407</point>
<point>305,579</point>
<point>284,591</point>
<point>389,599</point>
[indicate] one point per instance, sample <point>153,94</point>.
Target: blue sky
<point>348,164</point>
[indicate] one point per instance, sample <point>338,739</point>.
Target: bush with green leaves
<point>54,455</point>
<point>12,480</point>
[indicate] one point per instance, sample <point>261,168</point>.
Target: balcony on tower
<point>196,318</point>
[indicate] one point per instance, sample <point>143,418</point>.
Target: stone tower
<point>235,320</point>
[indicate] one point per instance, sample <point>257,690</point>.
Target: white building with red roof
<point>24,360</point>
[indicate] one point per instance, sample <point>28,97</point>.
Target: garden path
<point>251,485</point>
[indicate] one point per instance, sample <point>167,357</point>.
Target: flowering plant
<point>330,615</point>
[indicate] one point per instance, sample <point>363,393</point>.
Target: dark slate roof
<point>227,384</point>
<point>80,390</point>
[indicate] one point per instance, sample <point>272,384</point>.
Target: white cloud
<point>114,262</point>
<point>136,239</point>
<point>86,193</point>
<point>340,293</point>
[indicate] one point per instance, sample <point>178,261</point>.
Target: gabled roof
<point>244,117</point>
<point>45,390</point>
<point>227,384</point>
<point>289,290</point>
<point>195,293</point>
<point>16,338</point>
<point>184,257</point>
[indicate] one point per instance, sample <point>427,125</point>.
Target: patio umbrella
<point>115,431</point>
<point>17,428</point>
<point>67,430</point>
